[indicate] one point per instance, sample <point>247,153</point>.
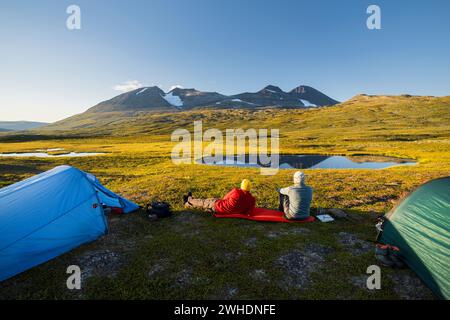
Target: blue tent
<point>49,214</point>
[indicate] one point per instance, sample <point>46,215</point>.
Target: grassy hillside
<point>192,254</point>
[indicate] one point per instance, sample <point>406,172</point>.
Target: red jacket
<point>236,201</point>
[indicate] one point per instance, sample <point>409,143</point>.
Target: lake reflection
<point>313,162</point>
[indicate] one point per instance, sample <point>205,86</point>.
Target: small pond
<point>47,155</point>
<point>310,161</point>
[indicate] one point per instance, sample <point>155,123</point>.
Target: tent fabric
<point>420,226</point>
<point>111,199</point>
<point>262,214</point>
<point>49,214</point>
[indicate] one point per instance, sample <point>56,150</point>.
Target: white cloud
<point>176,86</point>
<point>128,86</point>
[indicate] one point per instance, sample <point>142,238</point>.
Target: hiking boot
<point>186,197</point>
<point>381,249</point>
<point>382,255</point>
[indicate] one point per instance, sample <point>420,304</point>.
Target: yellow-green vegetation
<point>193,255</point>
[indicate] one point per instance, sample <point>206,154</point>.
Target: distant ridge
<point>6,126</point>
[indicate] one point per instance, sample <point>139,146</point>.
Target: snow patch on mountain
<point>141,91</point>
<point>239,100</point>
<point>175,87</point>
<point>236,100</point>
<point>307,103</point>
<point>173,100</point>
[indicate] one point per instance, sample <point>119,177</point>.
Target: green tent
<point>420,226</point>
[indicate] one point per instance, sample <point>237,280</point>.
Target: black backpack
<point>160,209</point>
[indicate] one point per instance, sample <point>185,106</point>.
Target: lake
<point>46,155</point>
<point>303,161</point>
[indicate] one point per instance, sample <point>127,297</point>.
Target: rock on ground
<point>337,213</point>
<point>184,278</point>
<point>157,267</point>
<point>361,282</point>
<point>259,275</point>
<point>406,285</point>
<point>188,217</point>
<point>99,262</point>
<point>184,223</point>
<point>250,242</point>
<point>298,265</point>
<point>353,244</point>
<point>292,231</point>
<point>410,287</point>
<point>227,293</point>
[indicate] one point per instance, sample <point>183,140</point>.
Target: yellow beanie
<point>246,185</point>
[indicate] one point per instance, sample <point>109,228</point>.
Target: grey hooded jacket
<point>300,197</point>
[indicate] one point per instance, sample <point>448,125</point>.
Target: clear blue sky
<point>48,72</point>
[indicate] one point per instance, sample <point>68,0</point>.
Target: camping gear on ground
<point>114,210</point>
<point>337,213</point>
<point>389,256</point>
<point>420,227</point>
<point>159,209</point>
<point>382,255</point>
<point>262,214</point>
<point>49,214</point>
<point>324,218</point>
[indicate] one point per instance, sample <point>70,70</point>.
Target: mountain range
<point>6,126</point>
<point>154,99</point>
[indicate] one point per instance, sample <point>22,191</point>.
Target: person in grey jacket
<point>295,201</point>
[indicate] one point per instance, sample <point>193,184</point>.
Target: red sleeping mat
<point>262,214</point>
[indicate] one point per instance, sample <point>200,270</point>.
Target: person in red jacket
<point>238,200</point>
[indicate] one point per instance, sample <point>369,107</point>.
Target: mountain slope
<point>301,96</point>
<point>142,99</point>
<point>20,125</point>
<point>269,96</point>
<point>191,98</point>
<point>313,96</point>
